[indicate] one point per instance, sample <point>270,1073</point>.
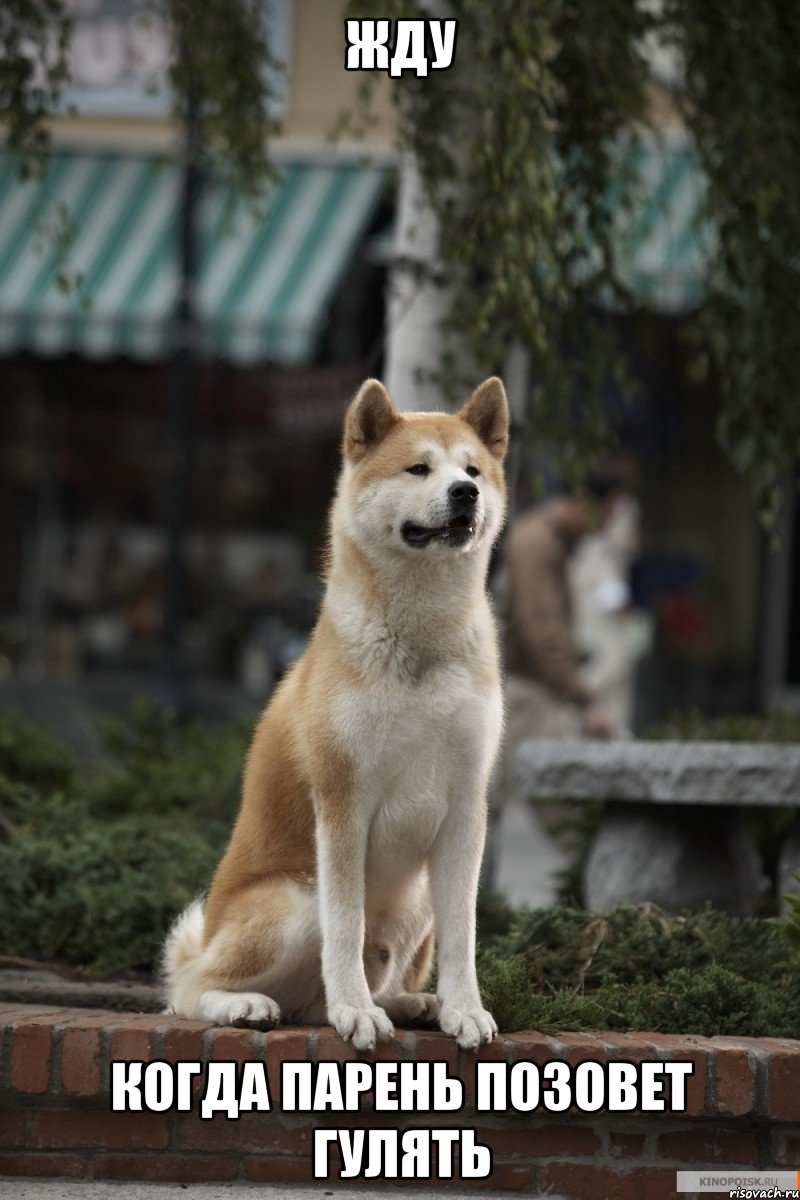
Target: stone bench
<point>672,832</point>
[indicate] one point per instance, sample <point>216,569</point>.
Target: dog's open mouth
<point>456,532</point>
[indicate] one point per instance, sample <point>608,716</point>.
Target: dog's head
<point>424,484</point>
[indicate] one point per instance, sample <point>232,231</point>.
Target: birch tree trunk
<point>417,299</point>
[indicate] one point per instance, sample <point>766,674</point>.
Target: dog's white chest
<point>415,751</point>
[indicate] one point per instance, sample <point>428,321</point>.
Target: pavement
<point>526,859</point>
<point>57,1189</point>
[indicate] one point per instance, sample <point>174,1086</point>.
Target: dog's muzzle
<point>462,498</point>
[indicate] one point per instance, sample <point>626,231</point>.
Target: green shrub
<point>100,894</point>
<point>567,947</point>
<point>96,860</point>
<point>95,863</point>
<point>30,756</point>
<point>792,923</point>
<point>692,725</point>
<point>160,765</point>
<point>638,968</point>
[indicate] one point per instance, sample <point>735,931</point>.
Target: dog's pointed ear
<point>369,418</point>
<point>487,412</point>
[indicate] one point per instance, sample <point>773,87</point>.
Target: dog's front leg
<point>341,857</point>
<point>454,866</point>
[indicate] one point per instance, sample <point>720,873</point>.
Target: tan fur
<point>417,974</point>
<point>301,782</point>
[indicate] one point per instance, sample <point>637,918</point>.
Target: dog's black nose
<point>462,494</point>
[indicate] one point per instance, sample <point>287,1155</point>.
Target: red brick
<point>436,1047</point>
<point>511,1177</point>
<point>535,1047</point>
<point>71,1129</point>
<point>283,1045</point>
<point>768,1044</point>
<point>671,1047</point>
<point>279,1170</point>
<point>784,1083</point>
<point>626,1145</point>
<point>166,1168</point>
<point>134,1039</point>
<point>183,1041</point>
<point>658,1183</point>
<point>709,1147</point>
<point>332,1048</point>
<point>52,1166</point>
<point>81,1056</point>
<point>581,1181</point>
<point>494,1052</point>
<point>679,1048</point>
<point>234,1045</point>
<point>548,1141</point>
<point>678,1045</point>
<point>696,1050</point>
<point>12,1128</point>
<point>632,1047</point>
<point>582,1047</point>
<point>734,1082</point>
<point>508,1176</point>
<point>395,1050</point>
<point>31,1054</point>
<point>251,1133</point>
<point>785,1148</point>
<point>147,1020</point>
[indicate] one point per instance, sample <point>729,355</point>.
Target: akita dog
<point>364,799</point>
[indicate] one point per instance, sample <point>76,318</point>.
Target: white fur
<point>238,1008</point>
<point>423,747</point>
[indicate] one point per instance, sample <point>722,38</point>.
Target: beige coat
<point>540,639</point>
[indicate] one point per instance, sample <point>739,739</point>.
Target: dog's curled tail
<point>182,950</point>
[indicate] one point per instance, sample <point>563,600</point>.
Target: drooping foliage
<point>517,147</point>
<point>221,62</point>
<point>741,102</point>
<point>34,41</point>
<point>517,143</point>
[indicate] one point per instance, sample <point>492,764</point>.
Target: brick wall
<point>55,1120</point>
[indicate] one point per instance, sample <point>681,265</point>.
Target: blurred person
<point>611,634</point>
<point>547,695</point>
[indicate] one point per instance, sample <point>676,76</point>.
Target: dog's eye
<point>419,469</point>
<point>472,471</point>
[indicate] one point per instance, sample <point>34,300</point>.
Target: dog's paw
<point>413,1006</point>
<point>469,1026</point>
<point>250,1009</point>
<point>361,1026</point>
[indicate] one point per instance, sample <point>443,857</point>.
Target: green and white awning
<point>88,252</point>
<point>663,245</point>
<point>88,257</point>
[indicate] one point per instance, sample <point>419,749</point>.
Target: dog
<point>363,812</point>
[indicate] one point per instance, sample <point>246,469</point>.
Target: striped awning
<point>88,257</point>
<point>663,245</point>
